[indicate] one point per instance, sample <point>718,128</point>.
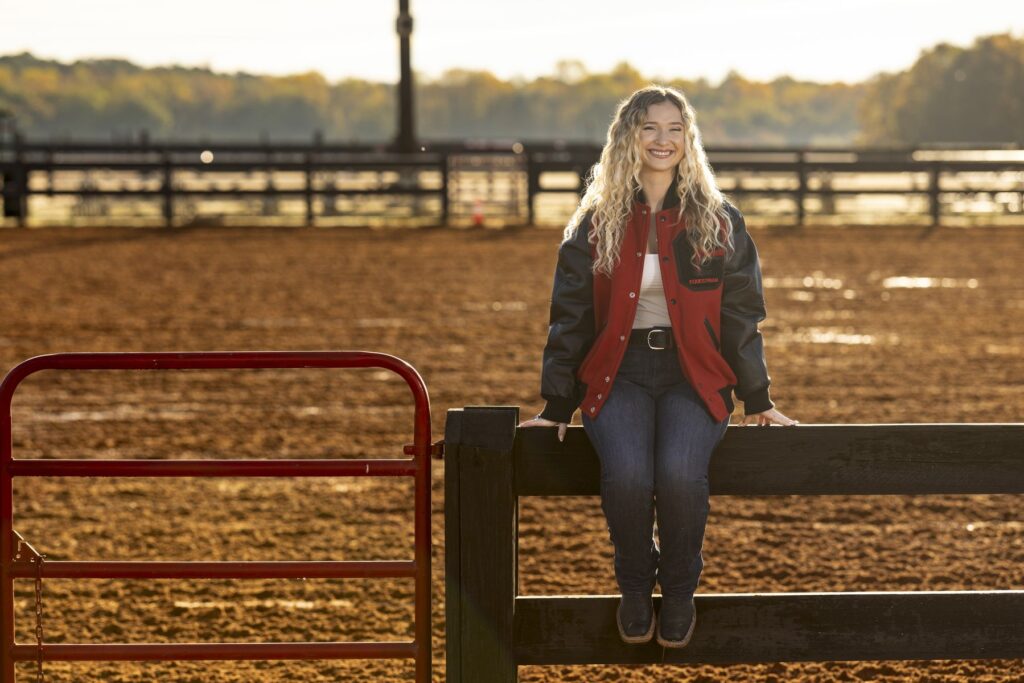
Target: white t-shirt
<point>651,309</point>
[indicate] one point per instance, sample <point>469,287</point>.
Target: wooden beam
<point>863,459</point>
<point>783,627</point>
<point>480,543</point>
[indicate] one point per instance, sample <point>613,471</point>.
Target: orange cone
<point>478,213</point>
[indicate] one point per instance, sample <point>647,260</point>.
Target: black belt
<point>658,338</point>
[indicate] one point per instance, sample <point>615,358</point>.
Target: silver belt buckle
<point>649,333</point>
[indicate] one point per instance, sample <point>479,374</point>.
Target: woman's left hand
<point>767,418</point>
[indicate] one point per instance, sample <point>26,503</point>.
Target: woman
<point>654,312</point>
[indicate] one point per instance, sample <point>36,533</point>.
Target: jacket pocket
<point>696,278</point>
<point>711,333</point>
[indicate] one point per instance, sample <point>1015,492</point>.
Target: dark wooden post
<point>445,199</point>
<point>308,161</point>
<point>14,195</point>
<point>16,185</point>
<point>480,519</point>
<point>168,189</point>
<point>933,192</point>
<point>532,188</point>
<point>801,186</point>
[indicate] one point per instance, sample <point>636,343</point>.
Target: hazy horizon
<point>799,38</point>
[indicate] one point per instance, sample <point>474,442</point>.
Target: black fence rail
<point>492,629</point>
<point>451,182</point>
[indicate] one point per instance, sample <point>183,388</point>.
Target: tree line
<point>950,94</point>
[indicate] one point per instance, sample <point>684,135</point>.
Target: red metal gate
<point>19,561</point>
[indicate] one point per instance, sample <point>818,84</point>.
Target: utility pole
<point>406,140</point>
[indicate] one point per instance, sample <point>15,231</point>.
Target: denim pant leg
<point>623,436</point>
<point>686,434</point>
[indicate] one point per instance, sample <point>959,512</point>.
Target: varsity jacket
<point>714,310</point>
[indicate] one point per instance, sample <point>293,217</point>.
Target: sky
<point>819,40</point>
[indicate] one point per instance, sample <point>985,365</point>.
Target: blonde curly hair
<point>615,179</point>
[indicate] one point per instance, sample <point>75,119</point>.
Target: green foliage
<point>954,94</point>
<point>950,94</point>
<point>104,98</point>
<point>575,105</point>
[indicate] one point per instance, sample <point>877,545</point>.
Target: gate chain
<point>39,618</point>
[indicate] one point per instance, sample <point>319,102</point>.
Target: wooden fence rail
<point>491,629</point>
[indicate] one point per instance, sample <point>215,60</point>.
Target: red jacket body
<point>714,310</point>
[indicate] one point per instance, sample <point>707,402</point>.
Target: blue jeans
<point>654,438</point>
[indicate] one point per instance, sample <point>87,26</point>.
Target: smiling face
<point>662,140</point>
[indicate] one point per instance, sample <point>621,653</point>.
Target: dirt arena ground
<point>845,343</point>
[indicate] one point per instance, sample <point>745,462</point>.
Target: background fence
<point>461,183</point>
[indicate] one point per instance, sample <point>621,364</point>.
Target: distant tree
<point>100,98</point>
<point>950,94</point>
<point>570,71</point>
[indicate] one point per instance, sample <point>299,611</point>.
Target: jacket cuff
<point>559,410</point>
<point>757,402</point>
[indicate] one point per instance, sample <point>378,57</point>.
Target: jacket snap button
<point>607,379</point>
<point>662,219</point>
<point>673,301</point>
<point>632,295</point>
<point>591,408</point>
<point>622,337</point>
<point>638,254</point>
<point>599,395</point>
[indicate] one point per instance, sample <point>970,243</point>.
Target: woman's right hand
<point>539,421</point>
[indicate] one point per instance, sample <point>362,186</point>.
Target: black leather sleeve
<point>571,330</point>
<point>742,309</point>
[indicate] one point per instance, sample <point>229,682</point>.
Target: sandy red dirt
<point>469,310</point>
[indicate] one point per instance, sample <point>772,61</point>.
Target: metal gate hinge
<point>435,450</point>
<point>23,551</point>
